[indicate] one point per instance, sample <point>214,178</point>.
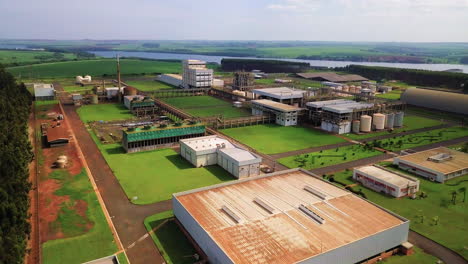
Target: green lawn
<point>272,138</point>
<point>80,245</point>
<point>419,257</point>
<point>149,85</point>
<point>423,138</point>
<point>153,176</point>
<point>169,239</point>
<point>410,122</point>
<point>105,112</point>
<point>451,231</point>
<point>328,157</point>
<point>434,113</point>
<point>204,106</point>
<point>94,68</point>
<point>394,95</point>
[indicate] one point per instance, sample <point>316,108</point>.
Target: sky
<point>316,20</point>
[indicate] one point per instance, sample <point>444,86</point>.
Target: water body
<point>322,63</point>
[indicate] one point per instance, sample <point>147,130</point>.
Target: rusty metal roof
<point>333,77</point>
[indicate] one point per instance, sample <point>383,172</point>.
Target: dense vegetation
<point>263,65</point>
<point>414,77</point>
<point>15,155</point>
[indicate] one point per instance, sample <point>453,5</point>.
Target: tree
<point>435,219</point>
<point>463,190</point>
<point>454,197</point>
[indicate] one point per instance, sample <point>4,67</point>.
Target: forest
<point>263,65</point>
<point>15,155</point>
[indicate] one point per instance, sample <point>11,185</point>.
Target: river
<point>323,63</point>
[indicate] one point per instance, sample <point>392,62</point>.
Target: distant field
<point>272,138</point>
<point>94,68</point>
<point>104,112</point>
<point>81,245</point>
<point>22,57</point>
<point>328,157</point>
<point>393,95</point>
<point>410,122</point>
<point>149,85</point>
<point>203,106</point>
<point>153,176</point>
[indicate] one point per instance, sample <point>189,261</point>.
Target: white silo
<point>390,120</point>
<point>357,90</point>
<point>87,78</point>
<point>356,126</point>
<point>78,79</point>
<point>366,122</point>
<point>352,89</point>
<point>378,120</point>
<point>398,119</point>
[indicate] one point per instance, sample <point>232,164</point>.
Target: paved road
<point>445,254</point>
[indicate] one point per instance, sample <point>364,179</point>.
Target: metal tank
<point>356,126</point>
<point>399,119</point>
<point>366,122</point>
<point>390,120</point>
<point>87,78</point>
<point>78,79</point>
<point>94,99</point>
<point>378,120</point>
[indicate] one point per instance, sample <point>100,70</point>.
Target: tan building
<point>285,115</point>
<point>291,216</point>
<point>439,164</point>
<point>195,74</point>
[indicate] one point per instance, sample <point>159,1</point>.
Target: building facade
<point>284,95</point>
<point>44,92</point>
<point>195,74</point>
<point>285,115</point>
<point>171,79</point>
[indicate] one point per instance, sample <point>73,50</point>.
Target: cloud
<point>296,5</point>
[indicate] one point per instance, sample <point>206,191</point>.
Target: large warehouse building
<point>43,92</point>
<point>195,74</point>
<point>385,181</point>
<point>445,101</point>
<point>213,150</point>
<point>287,217</point>
<point>439,164</point>
<point>285,115</point>
<point>332,77</point>
<point>284,95</point>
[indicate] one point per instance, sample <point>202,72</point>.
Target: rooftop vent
<point>265,206</point>
<point>315,192</point>
<point>311,214</point>
<point>440,157</point>
<point>231,214</point>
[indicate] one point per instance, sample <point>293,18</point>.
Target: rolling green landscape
<point>272,138</point>
<point>15,57</point>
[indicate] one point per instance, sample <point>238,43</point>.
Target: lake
<point>322,63</point>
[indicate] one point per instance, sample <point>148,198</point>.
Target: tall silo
<point>378,120</point>
<point>399,119</point>
<point>389,123</point>
<point>366,122</point>
<point>356,126</point>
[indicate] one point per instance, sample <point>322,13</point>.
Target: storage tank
<point>352,89</point>
<point>366,122</point>
<point>356,126</point>
<point>339,88</point>
<point>94,99</point>
<point>357,90</point>
<point>60,163</point>
<point>390,120</point>
<point>62,157</point>
<point>129,90</point>
<point>87,78</point>
<point>78,79</point>
<point>373,88</point>
<point>378,120</point>
<point>398,119</point>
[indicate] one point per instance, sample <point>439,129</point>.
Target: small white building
<point>195,74</point>
<point>285,115</point>
<point>283,95</point>
<point>112,92</point>
<point>218,83</point>
<point>389,182</point>
<point>213,150</point>
<point>44,91</point>
<point>129,98</point>
<point>171,79</point>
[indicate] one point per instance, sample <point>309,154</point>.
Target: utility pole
<point>119,94</point>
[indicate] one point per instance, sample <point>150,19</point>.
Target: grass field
<point>169,239</point>
<point>25,56</point>
<point>80,246</point>
<point>104,112</point>
<point>451,231</point>
<point>410,122</point>
<point>154,176</point>
<point>423,138</point>
<point>94,68</point>
<point>419,257</point>
<point>394,95</point>
<point>434,113</point>
<point>272,138</point>
<point>328,157</point>
<point>149,85</point>
<point>203,106</point>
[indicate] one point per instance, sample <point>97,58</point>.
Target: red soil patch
<point>81,207</point>
<point>49,208</point>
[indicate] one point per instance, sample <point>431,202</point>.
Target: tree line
<point>268,66</point>
<point>15,155</point>
<point>452,80</point>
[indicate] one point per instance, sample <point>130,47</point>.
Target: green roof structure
<point>155,133</point>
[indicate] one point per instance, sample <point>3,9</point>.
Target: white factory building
<point>44,91</point>
<point>285,115</point>
<point>385,181</point>
<point>287,217</point>
<point>195,74</point>
<point>171,79</point>
<point>214,150</point>
<point>438,164</point>
<point>283,95</point>
<point>112,92</point>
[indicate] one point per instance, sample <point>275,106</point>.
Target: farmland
<point>450,230</point>
<point>149,85</point>
<point>203,106</point>
<point>104,112</point>
<point>328,157</point>
<point>15,57</point>
<point>99,67</point>
<point>271,139</point>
